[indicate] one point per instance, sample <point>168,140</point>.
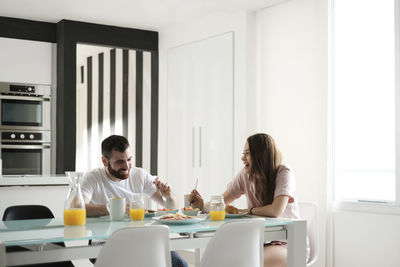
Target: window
<point>364,100</point>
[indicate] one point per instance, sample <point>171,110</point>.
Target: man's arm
<point>93,210</point>
<point>164,195</point>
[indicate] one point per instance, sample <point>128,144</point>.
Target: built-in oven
<point>25,152</point>
<point>25,106</point>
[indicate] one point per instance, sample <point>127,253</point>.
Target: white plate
<point>229,215</point>
<point>185,221</point>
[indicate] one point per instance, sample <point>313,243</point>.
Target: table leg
<point>197,257</point>
<point>2,254</point>
<point>297,244</point>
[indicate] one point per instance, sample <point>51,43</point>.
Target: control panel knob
<point>12,136</point>
<point>22,136</point>
<point>31,136</point>
<point>29,89</point>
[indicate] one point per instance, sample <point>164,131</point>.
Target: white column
<point>132,101</point>
<point>146,110</point>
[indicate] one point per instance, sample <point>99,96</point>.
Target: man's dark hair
<point>113,142</point>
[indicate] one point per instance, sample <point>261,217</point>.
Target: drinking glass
<point>217,208</point>
<point>137,207</point>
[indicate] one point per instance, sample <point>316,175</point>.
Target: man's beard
<point>117,173</point>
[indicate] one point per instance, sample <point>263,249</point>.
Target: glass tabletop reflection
<point>40,231</point>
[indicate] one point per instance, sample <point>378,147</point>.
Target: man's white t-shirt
<point>99,188</point>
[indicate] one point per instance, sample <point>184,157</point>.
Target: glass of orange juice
<point>217,208</point>
<point>137,207</point>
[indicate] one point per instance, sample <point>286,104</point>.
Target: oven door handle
<point>28,98</point>
<point>25,146</point>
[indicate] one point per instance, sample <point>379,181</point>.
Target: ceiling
<point>143,14</point>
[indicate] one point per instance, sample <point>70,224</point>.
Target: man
<point>119,178</point>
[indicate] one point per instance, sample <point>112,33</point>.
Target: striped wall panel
<point>115,96</point>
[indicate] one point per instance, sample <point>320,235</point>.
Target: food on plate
<point>231,209</point>
<point>175,217</point>
<point>150,211</point>
<point>189,208</point>
<point>164,209</point>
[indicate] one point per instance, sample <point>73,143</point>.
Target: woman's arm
<point>228,198</point>
<point>272,210</point>
<point>196,200</point>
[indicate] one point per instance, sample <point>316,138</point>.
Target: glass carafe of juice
<point>137,207</point>
<point>74,208</point>
<point>217,208</point>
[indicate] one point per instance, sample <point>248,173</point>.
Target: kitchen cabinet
<point>200,116</point>
<point>26,61</point>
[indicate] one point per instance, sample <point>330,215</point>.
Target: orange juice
<point>75,217</point>
<point>217,215</point>
<point>137,214</point>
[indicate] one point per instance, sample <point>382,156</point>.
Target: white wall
<point>366,239</point>
<point>213,25</point>
<point>281,86</point>
<point>293,89</point>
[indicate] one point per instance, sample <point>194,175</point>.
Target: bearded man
<point>118,178</point>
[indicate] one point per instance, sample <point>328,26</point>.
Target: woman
<point>268,186</point>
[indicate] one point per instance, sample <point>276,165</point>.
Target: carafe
<point>217,208</point>
<point>74,208</point>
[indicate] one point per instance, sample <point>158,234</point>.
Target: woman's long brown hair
<point>265,158</point>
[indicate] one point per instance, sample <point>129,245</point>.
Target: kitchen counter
<point>52,179</point>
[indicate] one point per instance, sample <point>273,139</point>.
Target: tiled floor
<point>187,255</point>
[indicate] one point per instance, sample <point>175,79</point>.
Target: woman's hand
<point>243,210</point>
<point>196,200</point>
<point>163,188</point>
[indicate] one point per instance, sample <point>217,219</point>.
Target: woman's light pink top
<point>285,185</point>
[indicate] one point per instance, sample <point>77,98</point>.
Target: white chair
<point>146,246</point>
<point>309,212</point>
<point>236,244</point>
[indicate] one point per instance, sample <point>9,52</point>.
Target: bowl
<point>190,212</point>
<point>150,213</point>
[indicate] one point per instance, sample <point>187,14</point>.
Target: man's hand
<point>164,195</point>
<point>163,188</point>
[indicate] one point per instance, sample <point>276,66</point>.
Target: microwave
<point>25,107</point>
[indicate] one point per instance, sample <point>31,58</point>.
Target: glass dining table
<point>39,236</point>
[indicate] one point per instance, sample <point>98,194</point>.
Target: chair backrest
<point>236,244</point>
<point>27,212</point>
<point>309,212</point>
<point>146,246</point>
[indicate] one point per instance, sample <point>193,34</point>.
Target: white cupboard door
<point>200,116</point>
<point>26,61</point>
<point>216,115</point>
<point>181,132</point>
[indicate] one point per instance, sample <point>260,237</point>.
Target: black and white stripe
<point>121,101</point>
